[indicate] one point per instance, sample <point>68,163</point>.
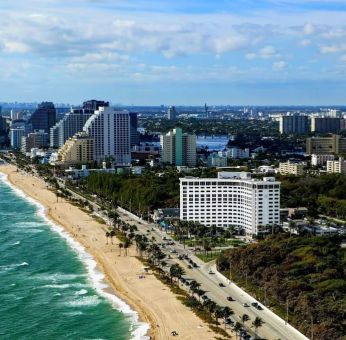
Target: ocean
<point>50,287</point>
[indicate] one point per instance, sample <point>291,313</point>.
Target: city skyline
<point>265,52</point>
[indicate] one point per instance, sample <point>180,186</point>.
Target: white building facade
<point>111,132</point>
<point>318,160</point>
<point>232,199</point>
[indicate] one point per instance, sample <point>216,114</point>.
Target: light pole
<point>286,311</point>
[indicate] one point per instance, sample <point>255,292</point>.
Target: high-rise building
<point>36,139</point>
<point>77,150</point>
<point>338,167</point>
<point>172,113</point>
<point>325,125</point>
<point>292,168</point>
<point>178,148</point>
<point>111,132</point>
<point>133,129</point>
<point>69,125</point>
<point>16,135</point>
<point>293,124</point>
<point>3,130</point>
<point>44,117</point>
<point>94,104</point>
<point>334,144</point>
<point>232,199</point>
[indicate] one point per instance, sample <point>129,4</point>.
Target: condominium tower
<point>77,150</point>
<point>68,126</point>
<point>111,132</point>
<point>293,124</point>
<point>326,124</point>
<point>232,199</point>
<point>178,148</point>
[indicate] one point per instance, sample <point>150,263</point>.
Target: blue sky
<point>254,52</point>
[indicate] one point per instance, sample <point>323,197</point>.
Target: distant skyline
<point>150,52</point>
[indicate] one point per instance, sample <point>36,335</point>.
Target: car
<point>221,284</point>
<point>189,266</point>
<point>259,307</point>
<point>245,305</point>
<point>229,298</point>
<point>195,265</point>
<point>254,304</point>
<point>211,272</point>
<point>204,297</point>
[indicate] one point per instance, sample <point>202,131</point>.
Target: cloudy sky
<point>174,52</point>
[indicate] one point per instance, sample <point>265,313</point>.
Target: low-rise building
<point>238,153</point>
<point>292,168</point>
<point>320,160</point>
<point>215,161</point>
<point>338,166</point>
<point>334,144</point>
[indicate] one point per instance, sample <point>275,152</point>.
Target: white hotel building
<point>232,199</point>
<point>111,132</point>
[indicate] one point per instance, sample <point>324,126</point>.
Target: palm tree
<point>127,244</point>
<point>218,313</point>
<point>237,328</point>
<point>244,318</point>
<point>227,312</point>
<point>257,323</point>
<point>121,246</point>
<point>176,271</point>
<point>200,293</point>
<point>107,236</point>
<point>112,234</point>
<point>194,286</point>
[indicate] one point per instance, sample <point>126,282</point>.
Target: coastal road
<point>273,327</point>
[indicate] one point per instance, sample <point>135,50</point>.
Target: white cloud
<point>279,65</point>
<point>305,42</point>
<point>267,52</point>
<point>336,48</point>
<point>309,29</point>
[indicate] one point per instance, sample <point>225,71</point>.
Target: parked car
<point>221,284</point>
<point>245,305</point>
<point>229,298</point>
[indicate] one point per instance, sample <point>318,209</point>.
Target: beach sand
<point>151,299</point>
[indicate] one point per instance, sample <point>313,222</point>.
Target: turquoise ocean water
<point>50,287</point>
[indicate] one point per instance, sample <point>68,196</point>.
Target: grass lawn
<point>208,257</point>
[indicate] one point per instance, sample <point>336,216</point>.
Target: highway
<point>273,327</point>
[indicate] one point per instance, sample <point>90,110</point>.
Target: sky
<point>180,52</point>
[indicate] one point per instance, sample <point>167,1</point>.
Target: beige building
<point>290,168</point>
<point>77,150</point>
<point>334,144</point>
<point>338,167</point>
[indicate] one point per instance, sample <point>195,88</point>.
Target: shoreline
<point>96,275</point>
<point>148,302</point>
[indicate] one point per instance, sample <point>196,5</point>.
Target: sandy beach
<point>154,302</point>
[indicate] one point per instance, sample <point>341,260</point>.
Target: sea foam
<point>138,329</point>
